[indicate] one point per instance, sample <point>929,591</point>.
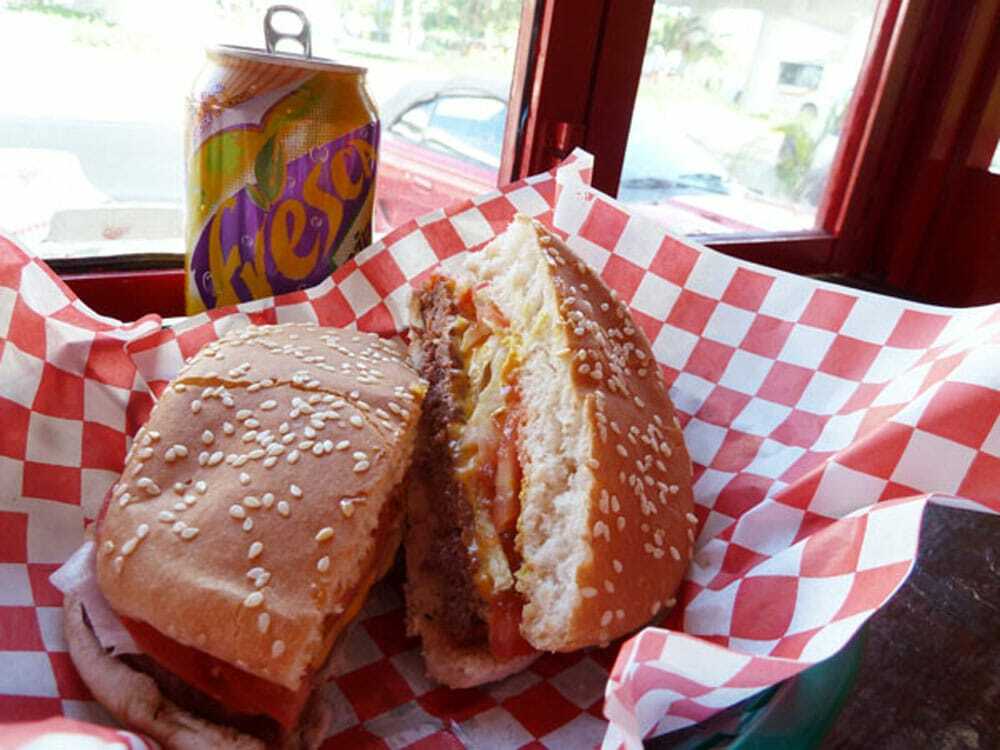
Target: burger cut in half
<point>551,508</point>
<point>257,507</point>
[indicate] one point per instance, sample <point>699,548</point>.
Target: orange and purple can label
<point>281,175</point>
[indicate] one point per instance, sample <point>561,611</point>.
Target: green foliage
<point>674,29</point>
<point>461,25</point>
<point>58,9</point>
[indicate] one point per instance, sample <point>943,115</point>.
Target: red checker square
<point>691,312</point>
<point>13,537</point>
<point>60,394</point>
<point>604,224</point>
<point>875,418</point>
<point>801,492</point>
<point>192,340</point>
<point>383,273</point>
<point>68,681</point>
<point>374,689</point>
<point>764,607</point>
<point>718,640</point>
<point>879,451</point>
<point>828,309</point>
<point>709,360</point>
<point>27,708</point>
<point>547,190</point>
<point>455,705</point>
<point>872,587</point>
<point>356,738</point>
<point>377,320</point>
<point>649,646</point>
<point>742,493</point>
<point>437,741</point>
<point>14,260</point>
<point>137,412</point>
<point>893,491</point>
<point>674,261</point>
<point>760,672</point>
<point>737,451</point>
<point>978,407</point>
<point>335,309</point>
<point>785,383</point>
<point>767,336</point>
<point>862,397</point>
<point>736,562</point>
<point>982,481</point>
<point>941,369</point>
<point>541,708</point>
<point>50,482</point>
<point>800,428</point>
<point>103,447</point>
<point>43,592</point>
<point>917,330</point>
<point>792,646</point>
<point>26,329</point>
<point>551,664</point>
<point>693,710</point>
<point>14,435</point>
<point>389,633</point>
<point>747,289</point>
<point>443,238</point>
<point>812,523</point>
<point>645,679</point>
<point>807,462</point>
<point>623,276</point>
<point>19,630</point>
<point>109,363</point>
<point>722,406</point>
<point>849,358</point>
<point>498,209</point>
<point>834,550</point>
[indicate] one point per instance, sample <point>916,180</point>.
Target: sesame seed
<point>293,457</point>
<point>118,564</point>
<point>255,454</point>
<point>270,461</point>
<point>243,414</point>
<point>674,553</point>
<point>248,524</point>
<point>254,552</point>
<point>323,564</point>
<point>602,529</point>
<point>178,527</point>
<point>609,587</point>
<point>254,599</point>
<point>216,458</point>
<point>195,406</point>
<point>323,534</point>
<point>236,511</point>
<point>129,546</point>
<point>620,523</point>
<point>317,449</point>
<point>309,432</point>
<point>295,490</point>
<point>203,458</point>
<point>616,505</point>
<point>250,436</point>
<point>180,506</point>
<point>251,501</point>
<point>277,649</point>
<point>180,387</point>
<point>588,592</point>
<point>263,622</point>
<point>166,516</point>
<point>621,450</point>
<point>347,507</point>
<point>189,533</point>
<point>690,535</point>
<point>144,453</point>
<point>617,565</point>
<point>343,445</point>
<point>691,517</point>
<point>201,486</point>
<point>244,478</point>
<point>108,547</point>
<point>207,437</point>
<point>606,618</point>
<point>361,466</point>
<point>283,508</point>
<point>620,614</point>
<point>269,404</point>
<point>123,500</point>
<point>357,420</point>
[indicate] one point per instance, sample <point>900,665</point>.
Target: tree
<point>686,33</point>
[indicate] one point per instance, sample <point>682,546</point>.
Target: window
<point>739,111</point>
<point>91,126</point>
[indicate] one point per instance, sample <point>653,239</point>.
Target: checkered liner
<point>820,420</point>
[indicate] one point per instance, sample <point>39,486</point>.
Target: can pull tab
<point>272,36</point>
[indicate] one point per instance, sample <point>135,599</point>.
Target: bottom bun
<point>453,664</point>
<point>135,699</point>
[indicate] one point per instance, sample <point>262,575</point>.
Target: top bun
<point>606,524</point>
<point>256,506</point>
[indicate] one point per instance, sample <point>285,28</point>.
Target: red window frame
<point>926,109</point>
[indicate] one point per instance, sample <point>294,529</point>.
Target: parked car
<point>442,141</point>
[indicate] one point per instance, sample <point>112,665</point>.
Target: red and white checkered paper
<point>821,421</point>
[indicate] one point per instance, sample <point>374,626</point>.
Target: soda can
<point>281,153</point>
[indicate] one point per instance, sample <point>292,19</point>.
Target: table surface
<point>930,669</point>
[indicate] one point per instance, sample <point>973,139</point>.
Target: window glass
<point>91,124</point>
<point>739,111</point>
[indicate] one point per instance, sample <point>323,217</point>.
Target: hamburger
<point>551,504</point>
<point>256,509</point>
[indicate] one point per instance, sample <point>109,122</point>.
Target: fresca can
<point>281,156</point>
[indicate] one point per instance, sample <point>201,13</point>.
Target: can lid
<point>271,38</point>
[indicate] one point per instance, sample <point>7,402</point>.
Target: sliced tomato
<point>506,641</point>
<point>506,505</point>
<point>239,691</point>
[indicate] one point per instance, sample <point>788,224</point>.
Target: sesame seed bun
<point>257,506</point>
<point>605,526</point>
